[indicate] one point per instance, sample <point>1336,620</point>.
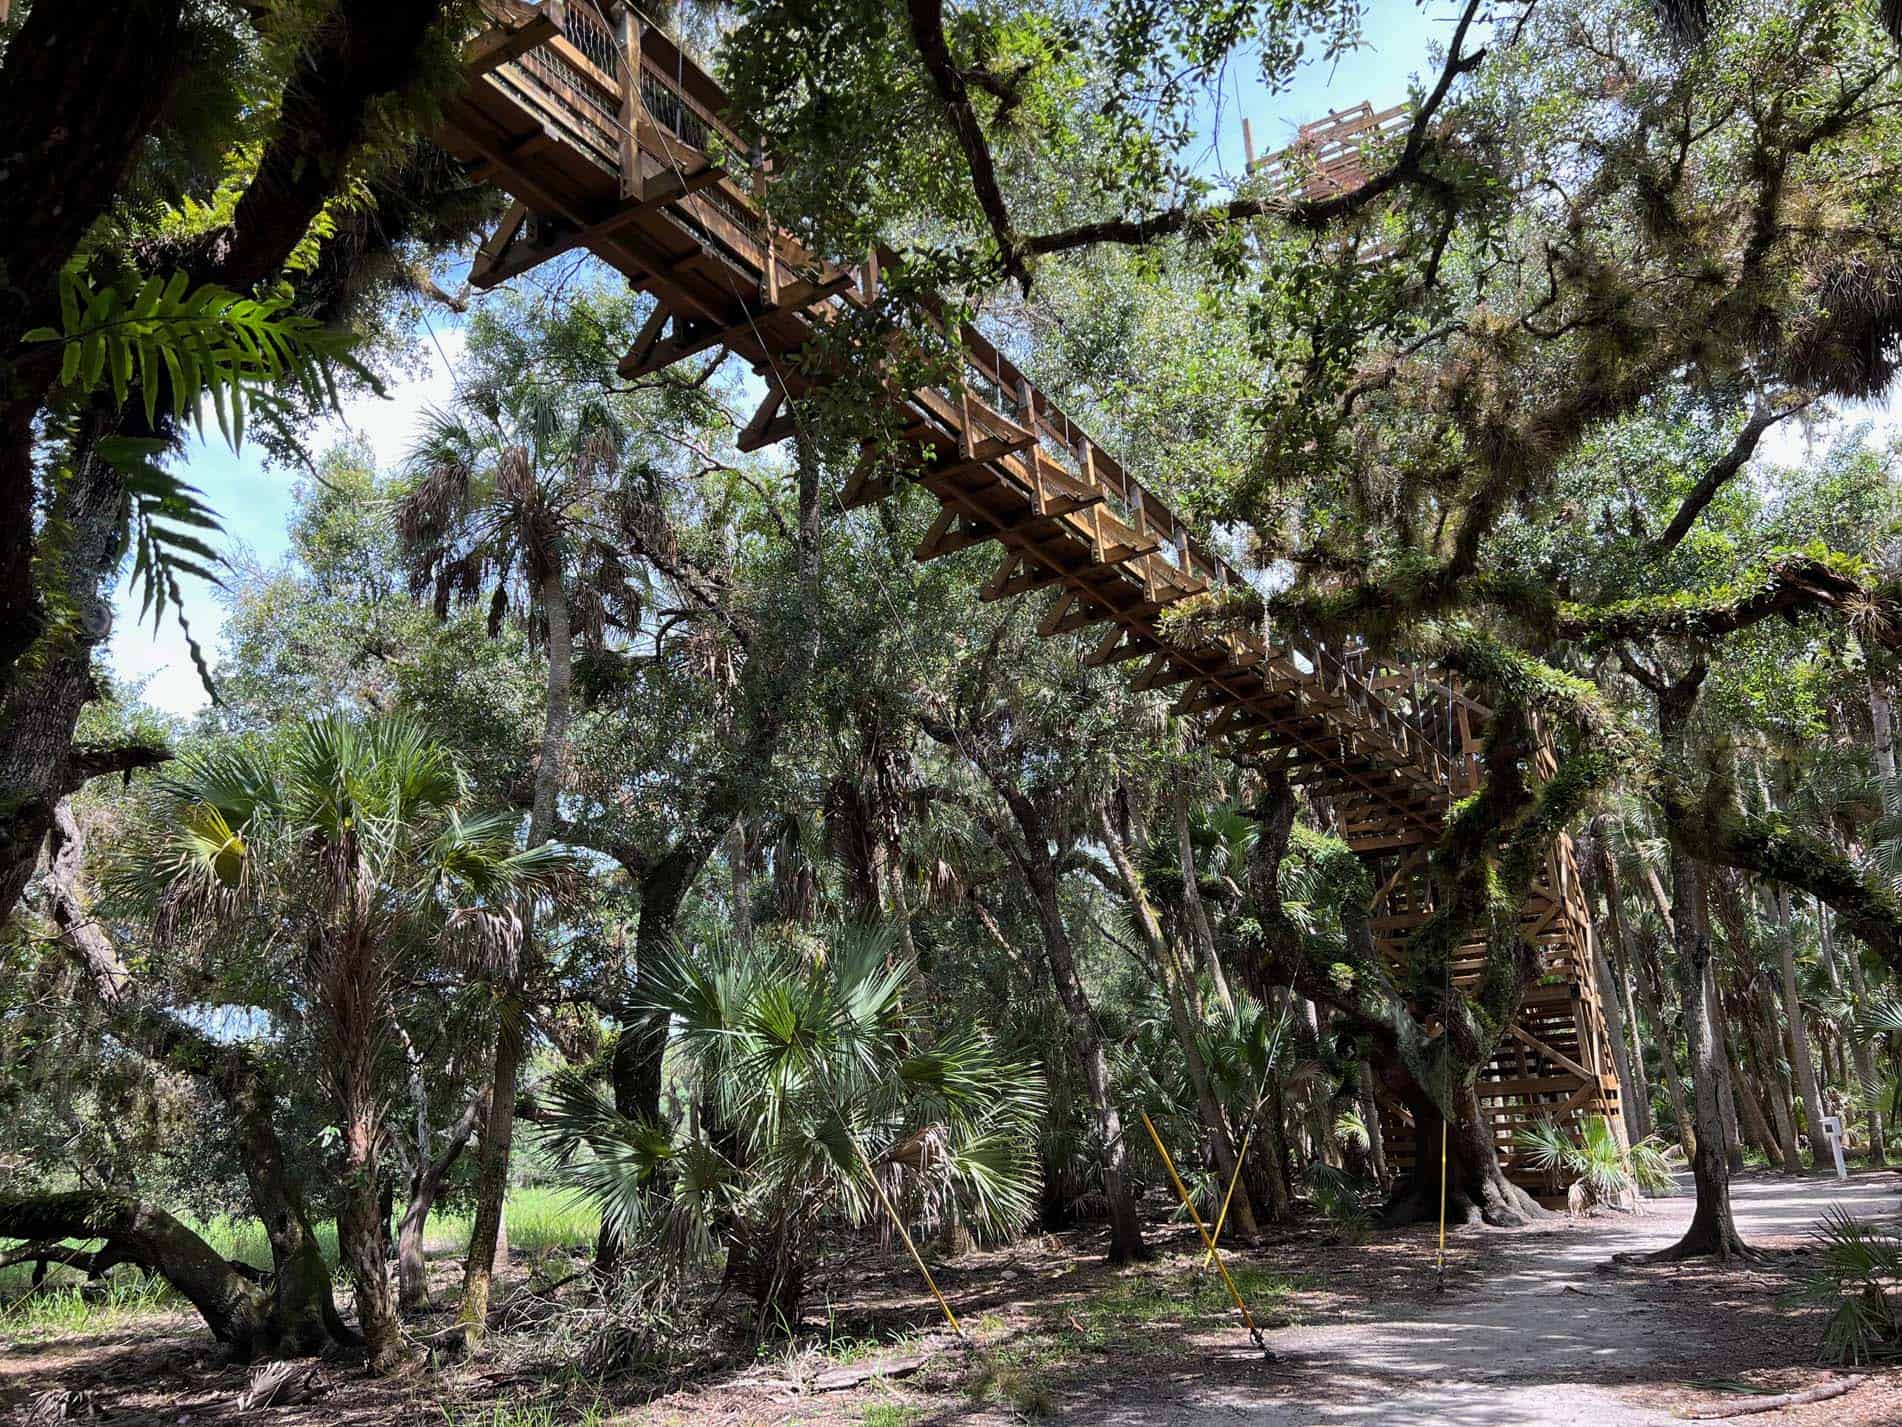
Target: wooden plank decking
<point>608,139</point>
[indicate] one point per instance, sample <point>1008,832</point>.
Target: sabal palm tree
<point>1602,1170</point>
<point>354,846</point>
<point>818,1074</point>
<point>508,490</point>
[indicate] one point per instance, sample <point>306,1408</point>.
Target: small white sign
<point>1833,1132</point>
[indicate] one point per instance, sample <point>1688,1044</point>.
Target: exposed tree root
<point>1822,1392</point>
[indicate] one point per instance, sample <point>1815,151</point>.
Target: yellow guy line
<point>899,1224</point>
<point>1220,1267</point>
<point>1241,1158</point>
<point>1441,1269</point>
<point>1233,1180</point>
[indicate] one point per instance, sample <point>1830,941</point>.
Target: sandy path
<point>1524,1352</point>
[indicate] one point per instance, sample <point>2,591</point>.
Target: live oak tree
<point>1434,349</point>
<point>212,172</point>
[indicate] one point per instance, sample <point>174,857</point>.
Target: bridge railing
<point>616,88</point>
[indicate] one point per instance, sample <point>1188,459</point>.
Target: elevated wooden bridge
<point>608,139</point>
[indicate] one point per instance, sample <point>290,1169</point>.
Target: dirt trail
<point>1538,1347</point>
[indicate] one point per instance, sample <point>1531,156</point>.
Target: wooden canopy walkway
<point>609,139</point>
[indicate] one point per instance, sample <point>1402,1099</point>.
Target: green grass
<point>60,1310</point>
<point>1128,1303</point>
<point>1136,1302</point>
<point>524,1414</point>
<point>1016,1375</point>
<point>540,1220</point>
<point>892,1414</point>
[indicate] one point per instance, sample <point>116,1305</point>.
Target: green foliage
<point>1342,1200</point>
<point>1602,1170</point>
<point>815,1069</point>
<point>1862,1263</point>
<point>178,346</point>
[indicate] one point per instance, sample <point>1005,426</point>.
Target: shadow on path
<point>1538,1345</point>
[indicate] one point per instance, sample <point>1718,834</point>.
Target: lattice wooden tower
<point>604,136</point>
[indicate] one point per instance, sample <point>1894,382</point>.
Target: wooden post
<point>1248,144</point>
<point>769,260</point>
<point>630,103</point>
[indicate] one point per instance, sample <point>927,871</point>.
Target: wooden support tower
<point>608,139</point>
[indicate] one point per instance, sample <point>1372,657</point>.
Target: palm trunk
<point>511,1033</point>
<point>1882,720</point>
<point>492,1171</point>
<point>1861,1051</point>
<point>1728,1078</point>
<point>1320,1129</point>
<point>1370,1112</point>
<point>1635,1093</point>
<point>1632,1091</point>
<point>352,990</point>
<point>1126,1237</point>
<point>1650,990</point>
<point>739,881</point>
<point>1204,931</point>
<point>1801,1058</point>
<point>1774,1131</point>
<point>1169,966</point>
<point>360,1243</point>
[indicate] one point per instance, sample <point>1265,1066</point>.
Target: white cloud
<point>389,425</point>
<point>162,660</point>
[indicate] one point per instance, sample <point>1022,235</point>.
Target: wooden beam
<point>495,47</point>
<point>1027,579</point>
<point>941,529</point>
<point>649,336</point>
<point>1520,1033</point>
<point>1117,645</point>
<point>766,427</point>
<point>489,256</point>
<point>703,336</point>
<point>633,110</point>
<point>1069,613</point>
<point>657,191</point>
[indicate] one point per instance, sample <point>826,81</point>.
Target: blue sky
<point>255,503</point>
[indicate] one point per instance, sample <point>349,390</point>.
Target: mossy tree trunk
<point>1476,1187</point>
<point>1713,1228</point>
<point>303,1315</point>
<point>239,1313</point>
